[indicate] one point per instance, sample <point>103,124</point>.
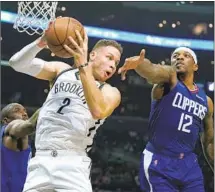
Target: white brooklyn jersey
<point>65,121</point>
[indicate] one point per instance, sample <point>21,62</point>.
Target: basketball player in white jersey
<point>76,106</point>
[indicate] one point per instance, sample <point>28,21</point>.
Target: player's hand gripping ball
<point>58,32</point>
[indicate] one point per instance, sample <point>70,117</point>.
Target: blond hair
<point>106,42</point>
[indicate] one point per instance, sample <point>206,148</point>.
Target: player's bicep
<point>51,69</point>
<point>167,81</point>
<point>164,74</point>
<point>112,99</point>
<point>157,91</point>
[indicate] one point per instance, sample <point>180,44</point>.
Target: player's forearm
<point>207,138</point>
<point>155,74</point>
<point>26,127</point>
<point>209,153</point>
<point>34,117</point>
<point>208,150</point>
<point>24,61</point>
<point>93,94</point>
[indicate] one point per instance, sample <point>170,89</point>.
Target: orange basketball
<point>58,33</point>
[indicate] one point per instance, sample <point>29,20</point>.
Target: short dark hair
<point>5,112</point>
<point>106,42</point>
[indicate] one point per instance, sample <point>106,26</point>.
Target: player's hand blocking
<point>131,63</point>
<point>81,51</point>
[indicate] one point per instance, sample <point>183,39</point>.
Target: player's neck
<point>188,81</point>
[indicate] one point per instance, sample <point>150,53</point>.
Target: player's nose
<point>113,66</point>
<point>180,57</point>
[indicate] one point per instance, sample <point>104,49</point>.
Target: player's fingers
<point>125,67</point>
<point>85,36</point>
<point>123,75</point>
<point>80,39</point>
<point>49,26</point>
<point>121,69</point>
<point>74,44</point>
<point>128,62</point>
<point>142,54</point>
<point>69,50</point>
<point>50,23</point>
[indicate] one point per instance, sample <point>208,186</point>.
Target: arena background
<point>119,142</point>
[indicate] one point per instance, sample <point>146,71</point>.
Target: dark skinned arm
<point>207,137</point>
<point>20,128</point>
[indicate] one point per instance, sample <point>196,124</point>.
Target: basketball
<point>58,33</point>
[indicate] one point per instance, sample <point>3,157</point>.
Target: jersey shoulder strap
<point>101,84</point>
<point>51,83</point>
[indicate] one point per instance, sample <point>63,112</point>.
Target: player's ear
<point>5,120</point>
<point>92,55</point>
<point>196,67</point>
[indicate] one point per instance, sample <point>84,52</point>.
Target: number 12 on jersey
<point>185,121</point>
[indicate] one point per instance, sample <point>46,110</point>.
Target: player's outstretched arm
<point>20,128</point>
<point>207,137</point>
<point>154,73</point>
<point>24,61</point>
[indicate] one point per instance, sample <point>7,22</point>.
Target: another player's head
<point>105,56</point>
<point>184,60</point>
<point>13,111</point>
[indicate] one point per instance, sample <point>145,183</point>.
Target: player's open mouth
<point>107,73</point>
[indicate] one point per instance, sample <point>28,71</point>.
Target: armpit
<point>160,90</point>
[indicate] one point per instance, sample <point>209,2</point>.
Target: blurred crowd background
<point>120,141</point>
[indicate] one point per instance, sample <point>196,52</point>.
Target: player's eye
<point>187,55</point>
<point>109,57</point>
<point>175,56</point>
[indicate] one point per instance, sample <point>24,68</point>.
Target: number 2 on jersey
<point>182,125</point>
<point>66,102</point>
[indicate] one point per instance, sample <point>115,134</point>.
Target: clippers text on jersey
<point>189,105</point>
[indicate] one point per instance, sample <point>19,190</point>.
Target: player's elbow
<point>99,113</point>
<point>14,63</point>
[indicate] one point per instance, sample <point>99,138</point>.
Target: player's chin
<point>180,70</point>
<point>101,78</point>
<point>105,79</point>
